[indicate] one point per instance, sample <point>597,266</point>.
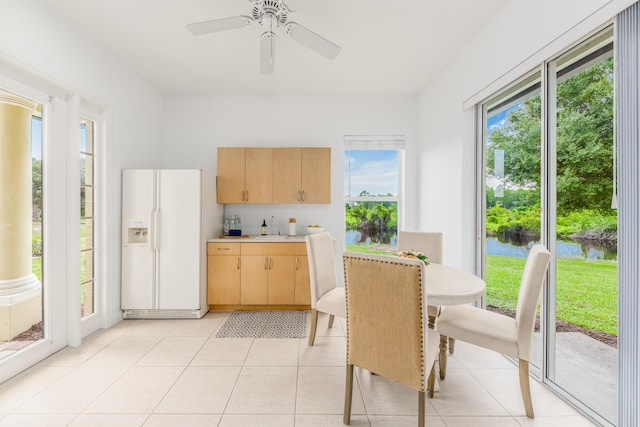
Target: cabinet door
<point>281,279</point>
<point>302,281</point>
<point>231,175</point>
<point>223,273</point>
<point>259,175</point>
<point>287,178</point>
<point>316,175</point>
<point>253,282</point>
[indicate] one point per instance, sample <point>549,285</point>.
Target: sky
<point>375,171</point>
<point>36,138</point>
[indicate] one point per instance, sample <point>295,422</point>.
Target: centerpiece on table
<point>415,255</point>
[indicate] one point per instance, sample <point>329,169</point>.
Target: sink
<point>272,237</point>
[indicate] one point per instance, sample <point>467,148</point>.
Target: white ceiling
<point>388,47</point>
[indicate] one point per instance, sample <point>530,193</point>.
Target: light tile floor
<point>176,373</point>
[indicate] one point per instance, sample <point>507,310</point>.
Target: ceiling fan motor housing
<point>276,10</point>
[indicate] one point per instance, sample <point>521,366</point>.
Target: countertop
<point>253,238</point>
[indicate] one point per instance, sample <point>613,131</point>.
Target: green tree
<point>584,141</point>
<point>36,185</point>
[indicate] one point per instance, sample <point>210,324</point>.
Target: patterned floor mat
<point>264,324</point>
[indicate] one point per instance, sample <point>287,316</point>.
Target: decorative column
<point>20,289</point>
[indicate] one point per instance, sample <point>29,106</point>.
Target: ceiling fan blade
<point>222,24</point>
<point>312,40</point>
<point>267,52</point>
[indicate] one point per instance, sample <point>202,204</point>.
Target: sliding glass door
<point>548,175</point>
<point>583,302</point>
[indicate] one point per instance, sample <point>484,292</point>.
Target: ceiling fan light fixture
<point>267,52</point>
<point>271,14</point>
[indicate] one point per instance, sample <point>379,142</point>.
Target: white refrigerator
<point>167,217</point>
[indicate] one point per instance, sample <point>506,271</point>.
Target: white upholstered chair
<point>429,243</point>
<point>326,296</point>
<point>501,333</point>
<point>387,326</point>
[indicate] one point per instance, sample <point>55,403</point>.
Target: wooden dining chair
<point>387,330</point>
<point>429,243</point>
<point>326,296</point>
<point>513,337</point>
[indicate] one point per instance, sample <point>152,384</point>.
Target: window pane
<point>373,168</point>
<point>586,285</point>
<point>87,221</point>
<point>513,150</point>
<point>371,173</point>
<point>86,234</point>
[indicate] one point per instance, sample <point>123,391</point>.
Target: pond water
<point>517,247</point>
<point>508,245</point>
<point>357,237</point>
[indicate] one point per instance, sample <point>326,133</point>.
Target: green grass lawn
<point>371,249</point>
<point>36,267</point>
<point>586,292</point>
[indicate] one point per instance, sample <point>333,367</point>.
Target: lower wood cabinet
<point>223,273</point>
<point>301,270</point>
<point>258,274</point>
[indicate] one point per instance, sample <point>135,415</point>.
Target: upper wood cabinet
<point>302,175</point>
<point>231,175</point>
<point>245,175</point>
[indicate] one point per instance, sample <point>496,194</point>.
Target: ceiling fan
<point>271,14</point>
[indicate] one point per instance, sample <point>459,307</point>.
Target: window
<point>372,188</point>
<point>87,218</point>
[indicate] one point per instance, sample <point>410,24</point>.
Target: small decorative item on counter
<point>292,226</point>
<point>415,255</point>
<point>226,227</point>
<point>313,229</point>
<point>263,228</point>
<point>235,226</point>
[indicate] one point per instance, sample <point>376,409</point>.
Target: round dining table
<point>450,286</point>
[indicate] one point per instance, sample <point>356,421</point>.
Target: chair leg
<point>331,317</point>
<point>431,382</point>
<point>442,358</point>
<point>523,366</point>
<point>348,394</point>
<point>421,409</point>
<point>314,325</point>
<point>452,345</point>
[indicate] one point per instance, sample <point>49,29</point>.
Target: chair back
<point>322,265</point>
<point>427,242</point>
<point>385,321</point>
<point>535,271</point>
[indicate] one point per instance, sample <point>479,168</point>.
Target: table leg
<point>442,358</point>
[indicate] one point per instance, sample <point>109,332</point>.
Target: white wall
<point>43,50</point>
<point>516,41</point>
<point>195,126</point>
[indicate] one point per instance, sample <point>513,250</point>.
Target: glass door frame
<point>54,232</point>
<point>99,318</point>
